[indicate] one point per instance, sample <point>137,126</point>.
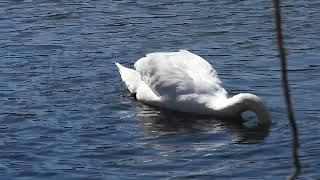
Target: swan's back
<point>177,75</point>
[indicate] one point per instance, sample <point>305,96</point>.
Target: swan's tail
<point>130,77</point>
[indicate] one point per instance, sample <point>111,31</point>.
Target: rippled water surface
<point>65,114</point>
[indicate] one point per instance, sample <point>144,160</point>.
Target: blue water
<point>65,114</point>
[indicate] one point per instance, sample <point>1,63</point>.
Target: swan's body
<point>185,82</point>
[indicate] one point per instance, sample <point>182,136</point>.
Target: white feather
<point>183,81</point>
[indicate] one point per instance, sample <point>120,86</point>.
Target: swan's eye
<point>250,118</point>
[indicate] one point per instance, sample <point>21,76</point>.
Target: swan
<point>185,82</point>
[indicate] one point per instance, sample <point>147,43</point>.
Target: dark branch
<point>286,90</point>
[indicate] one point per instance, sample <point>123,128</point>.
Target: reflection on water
<point>156,121</point>
<point>61,116</point>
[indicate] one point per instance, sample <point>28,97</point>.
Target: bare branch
<point>286,91</point>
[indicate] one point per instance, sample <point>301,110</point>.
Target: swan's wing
<point>178,73</point>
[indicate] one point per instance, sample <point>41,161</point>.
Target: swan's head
<point>250,102</point>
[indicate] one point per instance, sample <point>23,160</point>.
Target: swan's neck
<point>236,105</point>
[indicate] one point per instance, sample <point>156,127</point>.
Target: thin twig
<point>286,90</point>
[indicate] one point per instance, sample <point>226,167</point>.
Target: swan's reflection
<point>157,122</point>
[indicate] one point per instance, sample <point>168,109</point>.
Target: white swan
<point>183,81</point>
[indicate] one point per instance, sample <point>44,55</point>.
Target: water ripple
<point>65,113</point>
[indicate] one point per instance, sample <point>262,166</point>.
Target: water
<point>66,115</point>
